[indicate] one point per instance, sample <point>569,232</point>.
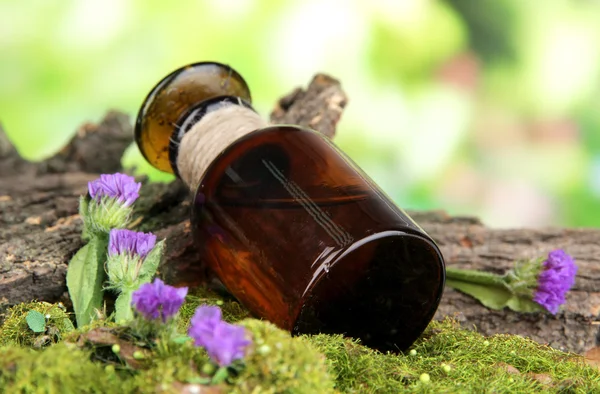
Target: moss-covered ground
<point>446,359</point>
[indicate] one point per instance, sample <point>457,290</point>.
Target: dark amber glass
<point>303,238</point>
<point>173,95</point>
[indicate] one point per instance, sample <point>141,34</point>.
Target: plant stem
<point>473,276</point>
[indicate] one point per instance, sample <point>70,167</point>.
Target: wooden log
<point>40,228</point>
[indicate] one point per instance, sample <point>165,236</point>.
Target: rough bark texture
<point>40,228</point>
<point>319,107</point>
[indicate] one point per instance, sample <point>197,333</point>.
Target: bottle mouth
<point>383,290</point>
<point>192,116</point>
<point>166,101</point>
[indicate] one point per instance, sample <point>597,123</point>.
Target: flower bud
<point>129,252</point>
<point>109,203</point>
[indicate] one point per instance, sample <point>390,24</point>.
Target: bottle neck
<point>205,131</point>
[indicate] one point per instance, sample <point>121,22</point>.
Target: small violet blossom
<point>555,280</point>
<point>158,300</point>
<point>223,342</point>
<point>130,261</point>
<point>119,186</point>
<point>129,242</point>
<point>204,323</point>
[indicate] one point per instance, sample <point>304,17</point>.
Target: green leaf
<point>524,304</point>
<point>220,376</point>
<point>496,297</point>
<point>123,311</point>
<point>181,339</point>
<point>151,262</point>
<point>36,321</point>
<point>493,297</point>
<point>85,276</point>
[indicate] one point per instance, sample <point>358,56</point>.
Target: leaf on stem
<point>151,262</point>
<point>36,321</point>
<point>493,297</point>
<point>123,311</point>
<point>85,276</point>
<point>523,304</point>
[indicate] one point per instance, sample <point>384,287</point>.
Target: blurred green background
<point>479,107</point>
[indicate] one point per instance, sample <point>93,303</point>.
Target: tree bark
<point>40,228</point>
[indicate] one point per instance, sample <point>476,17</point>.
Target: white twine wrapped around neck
<point>218,129</point>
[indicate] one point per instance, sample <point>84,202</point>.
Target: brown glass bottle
<point>303,238</point>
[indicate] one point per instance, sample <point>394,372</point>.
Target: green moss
<point>231,309</point>
<point>57,369</point>
<point>181,364</point>
<point>457,360</point>
<point>16,331</point>
<point>446,358</point>
<point>278,363</point>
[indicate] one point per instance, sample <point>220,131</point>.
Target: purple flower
<point>223,342</point>
<point>203,324</point>
<point>157,300</point>
<point>555,280</point>
<point>120,186</point>
<point>130,242</point>
<point>228,344</point>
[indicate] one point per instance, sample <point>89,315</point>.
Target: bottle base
<point>383,290</point>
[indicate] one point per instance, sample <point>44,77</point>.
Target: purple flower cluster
<point>130,242</point>
<point>555,280</point>
<point>157,300</point>
<point>223,342</point>
<point>120,186</point>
